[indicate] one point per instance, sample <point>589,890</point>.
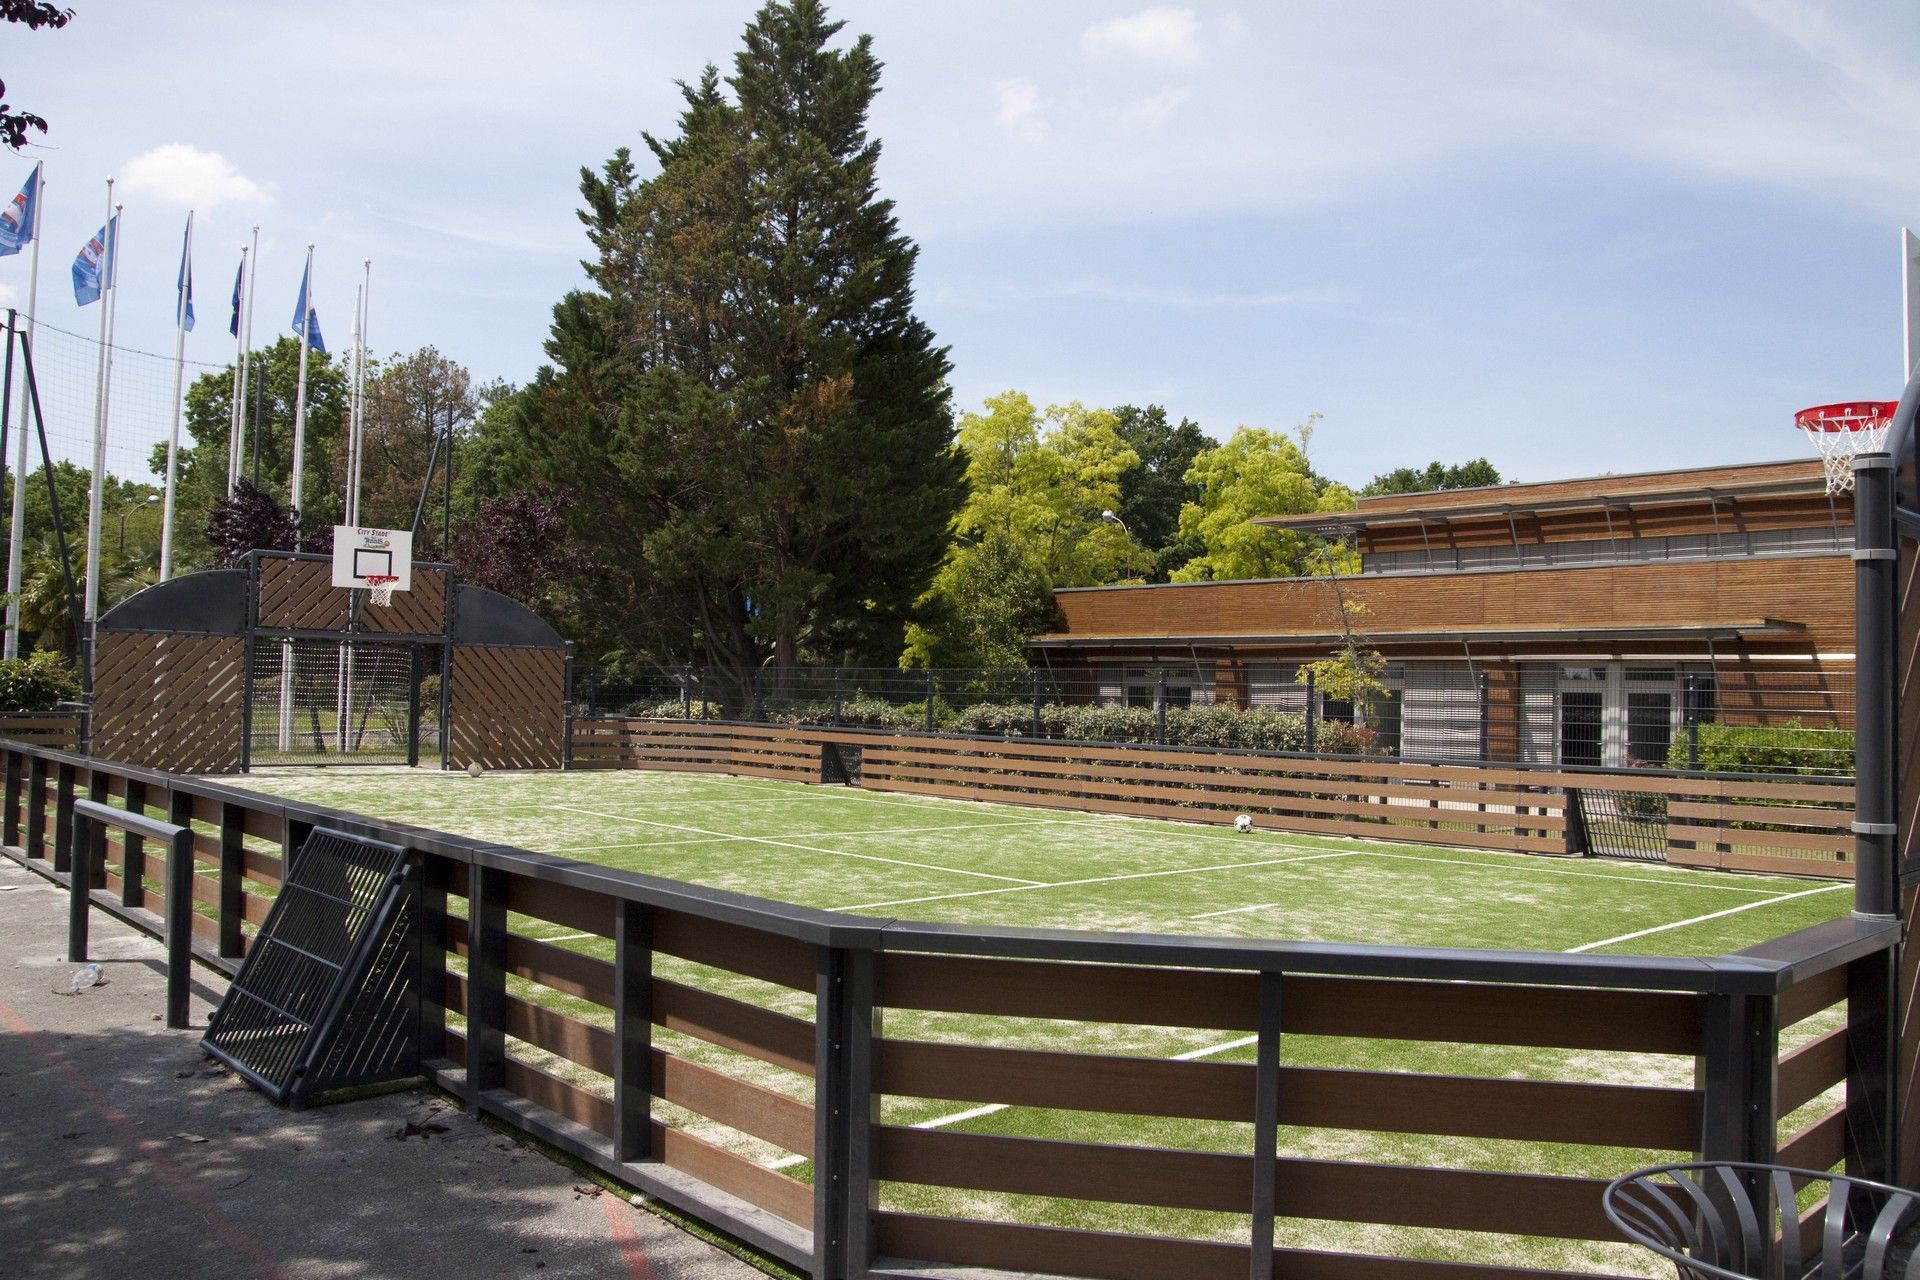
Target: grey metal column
<point>633,1083</point>
<point>1266,1123</point>
<point>486,982</point>
<point>1875,564</point>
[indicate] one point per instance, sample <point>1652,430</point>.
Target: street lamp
<point>1112,518</point>
<point>128,510</point>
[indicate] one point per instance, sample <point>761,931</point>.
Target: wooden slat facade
<point>509,708</point>
<point>1787,827</point>
<point>170,702</point>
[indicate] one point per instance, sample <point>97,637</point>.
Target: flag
<point>183,283</point>
<point>306,320</point>
<point>239,281</point>
<point>93,266</point>
<point>16,220</point>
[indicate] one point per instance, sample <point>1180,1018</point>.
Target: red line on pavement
<point>176,1179</point>
<point>626,1240</point>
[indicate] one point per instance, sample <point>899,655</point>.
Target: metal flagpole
<point>246,364</point>
<point>353,415</point>
<point>15,550</point>
<point>180,302</point>
<point>360,385</point>
<point>239,382</point>
<point>96,497</point>
<point>300,396</point>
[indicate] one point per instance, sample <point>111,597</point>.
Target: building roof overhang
<point>1732,629</point>
<point>1442,512</point>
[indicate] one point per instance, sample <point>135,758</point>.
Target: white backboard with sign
<point>372,557</point>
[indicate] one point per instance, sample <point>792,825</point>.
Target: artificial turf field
<point>911,857</point>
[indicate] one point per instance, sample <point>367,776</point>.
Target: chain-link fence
<point>1777,718</point>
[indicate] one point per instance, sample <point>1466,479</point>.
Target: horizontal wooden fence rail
<point>1792,827</point>
<point>59,730</point>
<point>766,1067</point>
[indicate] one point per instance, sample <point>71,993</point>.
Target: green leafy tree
<point>1478,474</point>
<point>745,390</point>
<point>32,14</point>
<point>36,682</point>
<point>1257,472</point>
<point>411,402</point>
<point>1039,486</point>
<point>1152,493</point>
<point>202,477</point>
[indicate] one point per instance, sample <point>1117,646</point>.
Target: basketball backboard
<point>1910,299</point>
<point>372,557</point>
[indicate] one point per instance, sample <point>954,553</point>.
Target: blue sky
<point>1572,238</point>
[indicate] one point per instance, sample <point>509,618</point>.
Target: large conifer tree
<point>754,422</point>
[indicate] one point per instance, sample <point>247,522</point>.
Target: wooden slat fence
<point>1787,827</point>
<point>58,730</point>
<point>698,1044</point>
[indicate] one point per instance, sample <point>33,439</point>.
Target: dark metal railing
<point>1730,1013</point>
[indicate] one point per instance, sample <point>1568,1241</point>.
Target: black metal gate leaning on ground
<point>270,663</point>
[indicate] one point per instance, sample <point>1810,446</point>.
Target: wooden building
<point>1575,622</point>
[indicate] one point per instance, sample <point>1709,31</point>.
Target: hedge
<point>1788,748</point>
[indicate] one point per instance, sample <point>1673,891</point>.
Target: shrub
<point>1786,748</point>
<point>36,683</point>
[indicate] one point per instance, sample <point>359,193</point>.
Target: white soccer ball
<point>475,769</point>
<point>1243,823</point>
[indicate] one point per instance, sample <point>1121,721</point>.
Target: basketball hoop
<point>1841,431</point>
<point>380,588</point>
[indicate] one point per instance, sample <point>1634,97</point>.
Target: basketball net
<point>380,589</point>
<point>1840,432</point>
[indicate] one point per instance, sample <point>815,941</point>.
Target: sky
<point>1570,238</point>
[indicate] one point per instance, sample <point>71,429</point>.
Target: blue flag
<point>93,266</point>
<point>183,283</point>
<point>17,220</point>
<point>306,320</point>
<point>239,280</point>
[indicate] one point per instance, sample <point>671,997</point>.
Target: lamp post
<point>128,510</point>
<point>1113,518</point>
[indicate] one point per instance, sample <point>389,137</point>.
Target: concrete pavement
<point>126,1152</point>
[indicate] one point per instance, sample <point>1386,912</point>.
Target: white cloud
<point>1157,35</point>
<point>1020,110</point>
<point>184,175</point>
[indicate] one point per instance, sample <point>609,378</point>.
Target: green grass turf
<point>992,864</point>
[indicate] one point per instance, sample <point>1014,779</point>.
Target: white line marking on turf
<point>1068,884</point>
<point>816,835</point>
<point>1528,867</point>
<point>1711,915</point>
<point>1234,911</point>
<point>1017,881</point>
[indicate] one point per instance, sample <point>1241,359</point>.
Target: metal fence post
<point>179,925</point>
<point>36,806</point>
<point>1036,705</point>
<point>486,982</point>
<point>63,817</point>
<point>10,816</point>
<point>430,952</point>
<point>1266,1127</point>
<point>1875,565</point>
<point>1690,694</point>
<point>1160,705</point>
<point>1736,1073</point>
<point>1313,711</point>
<point>233,871</point>
<point>1486,718</point>
<point>1872,1064</point>
<point>133,851</point>
<point>929,699</point>
<point>633,1084</point>
<point>80,866</point>
<point>843,1190</point>
<point>836,697</point>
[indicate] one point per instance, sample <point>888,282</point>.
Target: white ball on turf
<point>475,769</point>
<point>1243,823</point>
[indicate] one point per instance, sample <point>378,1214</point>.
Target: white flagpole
<point>96,496</point>
<point>179,370</point>
<point>15,551</point>
<point>300,396</point>
<point>239,380</point>
<point>353,415</point>
<point>360,386</point>
<point>246,357</point>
